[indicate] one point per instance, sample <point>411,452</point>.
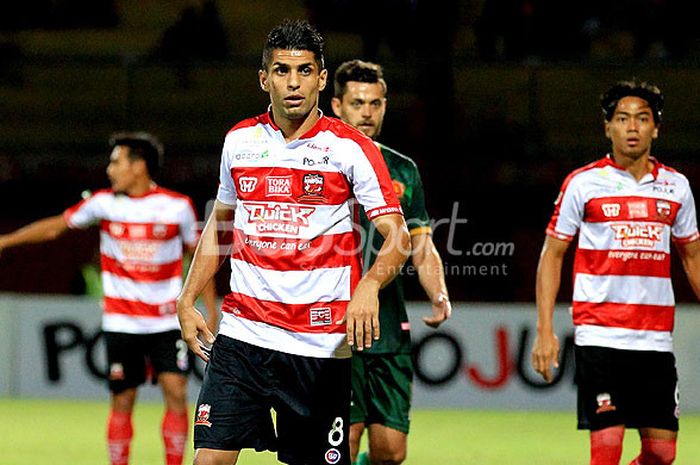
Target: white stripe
<point>154,293</point>
<point>290,287</point>
<point>150,251</point>
<point>115,322</point>
<point>622,338</point>
<point>276,338</point>
<point>644,290</point>
<point>601,236</point>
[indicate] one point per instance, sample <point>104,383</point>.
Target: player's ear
<point>607,129</point>
<point>262,77</point>
<point>655,134</point>
<point>336,105</point>
<point>322,79</point>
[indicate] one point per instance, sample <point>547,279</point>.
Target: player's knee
<point>389,456</point>
<point>658,452</point>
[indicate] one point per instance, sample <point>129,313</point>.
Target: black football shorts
<point>263,399</point>
<point>638,389</point>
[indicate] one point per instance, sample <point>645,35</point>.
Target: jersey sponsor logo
<point>638,209</point>
<point>604,403</point>
<point>279,218</point>
<point>610,210</point>
<point>246,184</point>
<point>663,208</point>
<point>638,235</point>
<point>116,229</point>
<point>278,186</point>
<point>137,231</point>
<point>138,250</point>
<point>399,188</point>
<point>313,146</point>
<point>203,412</point>
<point>250,155</point>
<point>307,161</point>
<point>332,456</point>
<point>167,309</point>
<point>664,186</point>
<point>320,316</point>
<point>160,230</point>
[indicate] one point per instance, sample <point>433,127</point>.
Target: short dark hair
<point>357,71</point>
<point>142,146</point>
<point>633,88</point>
<point>294,35</point>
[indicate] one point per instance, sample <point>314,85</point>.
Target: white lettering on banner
<point>490,342</point>
<point>638,235</point>
<point>246,184</point>
<point>279,186</point>
<point>280,218</point>
<point>610,210</point>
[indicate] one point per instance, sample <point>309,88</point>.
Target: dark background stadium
<point>496,101</point>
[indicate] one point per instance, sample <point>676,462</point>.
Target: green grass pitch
<point>70,432</point>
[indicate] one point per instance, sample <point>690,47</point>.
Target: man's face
<point>122,171</point>
<point>293,80</point>
<point>632,128</point>
<point>363,106</point>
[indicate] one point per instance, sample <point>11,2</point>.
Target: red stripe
<point>140,231</point>
<point>292,317</point>
<point>289,185</point>
<point>630,316</point>
<point>134,308</point>
<point>684,240</point>
<point>275,253</point>
<point>142,272</point>
<point>631,208</point>
<point>623,262</point>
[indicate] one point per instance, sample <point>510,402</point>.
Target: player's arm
<point>431,275</point>
<point>205,263</point>
<point>690,256</point>
<point>43,230</point>
<point>209,298</point>
<point>545,352</point>
<point>363,310</point>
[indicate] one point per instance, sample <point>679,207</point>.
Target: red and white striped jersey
<point>623,296</point>
<point>141,244</point>
<point>296,257</point>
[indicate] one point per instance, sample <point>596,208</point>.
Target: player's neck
<point>293,129</point>
<point>637,167</point>
<point>140,187</point>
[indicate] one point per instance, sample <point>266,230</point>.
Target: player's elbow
<point>404,242</point>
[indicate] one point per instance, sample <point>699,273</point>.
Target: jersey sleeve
<point>685,227</point>
<point>417,218</point>
<point>188,225</point>
<point>86,213</point>
<point>568,212</point>
<point>227,189</point>
<point>371,183</point>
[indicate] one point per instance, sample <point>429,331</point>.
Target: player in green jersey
<point>382,375</point>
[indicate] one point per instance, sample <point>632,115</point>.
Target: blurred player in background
<point>382,376</point>
<point>143,229</point>
<point>294,178</point>
<point>627,209</point>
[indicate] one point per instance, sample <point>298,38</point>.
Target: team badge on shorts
<point>116,372</point>
<point>332,456</point>
<point>203,415</point>
<point>604,403</point>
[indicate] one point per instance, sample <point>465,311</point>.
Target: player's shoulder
<point>583,173</point>
<point>666,171</point>
<point>397,157</point>
<point>171,195</point>
<point>248,123</point>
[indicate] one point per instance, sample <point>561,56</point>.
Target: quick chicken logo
<point>278,218</point>
<point>638,235</point>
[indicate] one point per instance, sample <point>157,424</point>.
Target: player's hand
<point>192,326</point>
<point>362,315</point>
<point>442,310</point>
<point>545,355</point>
